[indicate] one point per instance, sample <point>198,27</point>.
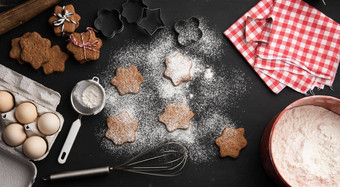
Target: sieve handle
<point>72,134</point>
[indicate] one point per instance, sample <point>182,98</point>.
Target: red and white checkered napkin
<point>288,43</point>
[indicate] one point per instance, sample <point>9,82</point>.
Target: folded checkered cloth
<point>288,43</point>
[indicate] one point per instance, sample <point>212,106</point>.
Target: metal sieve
<point>79,106</point>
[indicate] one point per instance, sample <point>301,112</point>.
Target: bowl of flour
<point>301,145</point>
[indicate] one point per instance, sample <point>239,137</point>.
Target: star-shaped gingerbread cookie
<point>176,116</point>
<point>35,49</point>
<point>178,68</point>
<point>231,142</point>
<point>64,20</point>
<point>127,80</point>
<point>121,128</point>
<point>56,62</point>
<point>15,52</point>
<point>85,46</point>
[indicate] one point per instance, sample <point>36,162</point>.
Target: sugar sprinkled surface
<point>210,96</point>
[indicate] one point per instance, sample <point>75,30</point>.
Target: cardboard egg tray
<point>46,100</point>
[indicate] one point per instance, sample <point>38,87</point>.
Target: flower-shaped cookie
<point>231,142</point>
<point>176,116</point>
<point>188,31</point>
<point>127,80</point>
<point>178,68</point>
<point>121,128</point>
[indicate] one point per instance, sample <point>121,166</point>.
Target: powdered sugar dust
<point>210,94</point>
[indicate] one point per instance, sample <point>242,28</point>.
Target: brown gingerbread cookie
<point>176,116</point>
<point>231,142</point>
<point>127,80</point>
<point>178,68</point>
<point>85,46</point>
<point>35,50</point>
<point>121,128</point>
<point>56,61</point>
<point>15,52</point>
<point>64,20</point>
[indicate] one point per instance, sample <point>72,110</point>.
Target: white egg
<point>14,134</point>
<point>48,123</point>
<point>34,147</point>
<point>26,113</point>
<point>6,101</point>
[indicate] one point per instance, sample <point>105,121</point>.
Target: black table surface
<point>254,110</point>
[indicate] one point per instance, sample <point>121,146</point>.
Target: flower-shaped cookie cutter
<point>109,22</point>
<point>133,10</point>
<point>152,21</point>
<point>188,31</point>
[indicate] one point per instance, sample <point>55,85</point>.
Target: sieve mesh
<point>76,98</point>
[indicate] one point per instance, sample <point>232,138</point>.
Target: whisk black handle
<point>79,173</point>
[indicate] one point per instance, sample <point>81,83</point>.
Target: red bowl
<point>327,102</point>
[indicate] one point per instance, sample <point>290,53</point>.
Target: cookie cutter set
<point>109,22</point>
<point>13,162</point>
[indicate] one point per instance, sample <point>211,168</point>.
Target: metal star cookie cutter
<point>152,21</point>
<point>188,31</point>
<point>109,22</point>
<point>133,10</point>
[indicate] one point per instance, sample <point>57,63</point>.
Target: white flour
<point>209,98</point>
<point>305,146</point>
<point>92,96</point>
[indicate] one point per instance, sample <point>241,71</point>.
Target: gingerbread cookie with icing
<point>231,142</point>
<point>85,46</point>
<point>121,128</point>
<point>127,80</point>
<point>178,68</point>
<point>176,116</point>
<point>64,20</point>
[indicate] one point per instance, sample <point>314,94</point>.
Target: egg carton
<point>46,100</point>
<point>31,128</point>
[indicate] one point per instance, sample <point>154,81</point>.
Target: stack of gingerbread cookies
<point>33,49</point>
